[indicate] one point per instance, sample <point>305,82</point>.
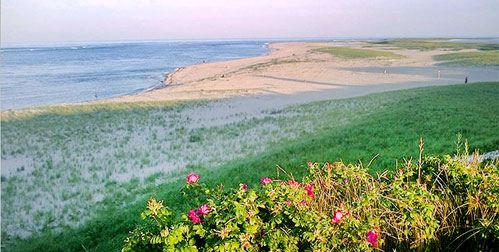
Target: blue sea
<point>51,74</point>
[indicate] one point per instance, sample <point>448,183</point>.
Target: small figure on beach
<point>95,94</point>
<point>438,74</point>
<point>385,72</point>
<point>466,80</point>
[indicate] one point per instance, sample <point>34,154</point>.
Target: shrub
<point>432,204</point>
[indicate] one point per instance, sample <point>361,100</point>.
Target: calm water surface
<point>43,75</point>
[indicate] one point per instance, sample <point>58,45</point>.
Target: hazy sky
<point>31,21</point>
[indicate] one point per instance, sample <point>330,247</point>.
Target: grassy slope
<point>432,44</point>
<point>488,54</point>
<point>392,130</point>
<point>353,53</point>
<point>481,58</point>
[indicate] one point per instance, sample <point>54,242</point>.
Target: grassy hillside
<point>388,124</point>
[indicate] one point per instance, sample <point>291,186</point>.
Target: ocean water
<point>43,75</point>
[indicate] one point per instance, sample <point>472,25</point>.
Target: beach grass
<point>481,58</point>
<point>386,126</point>
<point>83,108</point>
<point>355,53</point>
<point>432,44</point>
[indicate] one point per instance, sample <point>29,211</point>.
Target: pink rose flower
<point>191,212</point>
<point>335,164</point>
<point>192,178</point>
<point>372,237</point>
<point>289,203</point>
<point>304,203</point>
<point>337,217</point>
<point>204,209</point>
<point>310,164</point>
<point>329,166</point>
<point>265,180</point>
<point>194,217</point>
<point>245,187</point>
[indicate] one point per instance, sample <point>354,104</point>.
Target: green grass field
<point>354,53</point>
<point>386,124</point>
<point>481,58</point>
<point>432,44</point>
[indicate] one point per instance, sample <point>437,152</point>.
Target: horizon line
<point>283,39</point>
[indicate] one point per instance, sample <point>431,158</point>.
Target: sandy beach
<point>291,68</point>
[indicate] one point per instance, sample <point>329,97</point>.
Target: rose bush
<point>431,205</point>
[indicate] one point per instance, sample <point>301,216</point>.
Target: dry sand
<point>290,68</point>
<point>294,74</point>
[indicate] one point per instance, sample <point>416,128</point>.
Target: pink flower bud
<point>204,209</point>
<point>372,237</point>
<point>245,187</point>
<point>265,180</point>
<point>192,178</point>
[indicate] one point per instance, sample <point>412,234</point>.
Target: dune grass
<point>432,44</point>
<point>388,125</point>
<point>84,108</point>
<point>481,58</point>
<point>355,53</point>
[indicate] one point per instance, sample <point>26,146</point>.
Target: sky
<point>45,21</point>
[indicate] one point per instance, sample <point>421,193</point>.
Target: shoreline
<point>294,68</point>
<point>287,68</point>
<point>168,80</point>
